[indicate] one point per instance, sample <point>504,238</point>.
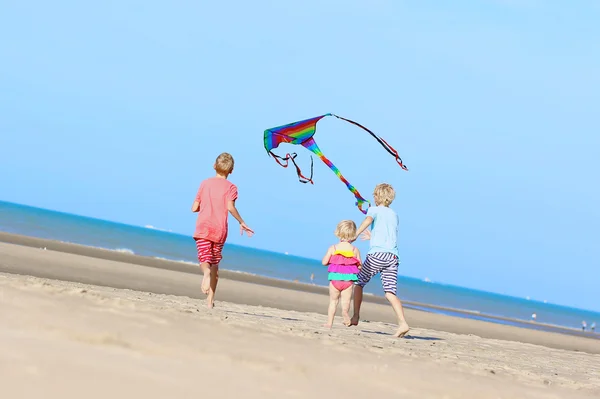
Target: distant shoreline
<point>183,267</point>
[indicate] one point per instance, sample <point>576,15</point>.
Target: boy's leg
<point>403,327</point>
<point>213,280</point>
<point>389,281</point>
<point>205,277</point>
<point>358,296</point>
<point>204,257</point>
<point>213,274</point>
<point>346,298</point>
<point>334,297</point>
<point>367,271</point>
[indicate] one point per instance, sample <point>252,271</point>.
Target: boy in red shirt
<point>215,198</point>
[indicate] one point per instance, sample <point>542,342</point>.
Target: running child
<point>382,257</point>
<point>215,198</point>
<point>343,261</point>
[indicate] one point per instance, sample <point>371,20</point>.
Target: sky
<point>117,110</point>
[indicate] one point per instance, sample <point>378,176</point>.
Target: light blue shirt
<point>384,230</point>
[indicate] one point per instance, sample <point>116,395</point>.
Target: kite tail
<point>291,157</point>
<point>360,200</point>
<point>381,141</point>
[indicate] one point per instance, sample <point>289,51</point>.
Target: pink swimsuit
<point>343,269</point>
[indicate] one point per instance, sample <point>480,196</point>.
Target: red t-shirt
<point>213,195</point>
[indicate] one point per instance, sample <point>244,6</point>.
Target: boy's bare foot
<point>402,330</point>
<point>353,321</point>
<point>327,325</point>
<point>206,282</point>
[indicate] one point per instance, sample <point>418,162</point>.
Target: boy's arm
<point>196,204</point>
<point>363,226</point>
<point>234,212</point>
<point>327,256</point>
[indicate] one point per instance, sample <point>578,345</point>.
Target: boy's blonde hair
<point>224,164</point>
<point>384,194</point>
<point>346,230</point>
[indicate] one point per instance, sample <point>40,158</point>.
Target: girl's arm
<point>357,255</point>
<point>327,256</point>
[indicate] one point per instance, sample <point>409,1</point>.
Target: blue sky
<point>117,110</point>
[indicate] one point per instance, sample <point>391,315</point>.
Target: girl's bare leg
<point>334,297</point>
<point>346,299</point>
<point>214,279</point>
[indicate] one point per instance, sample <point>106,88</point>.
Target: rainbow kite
<point>302,133</point>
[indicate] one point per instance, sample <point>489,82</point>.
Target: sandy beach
<point>96,327</point>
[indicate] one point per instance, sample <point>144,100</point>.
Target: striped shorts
<point>384,263</point>
<point>208,251</point>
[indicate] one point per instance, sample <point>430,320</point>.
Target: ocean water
<point>148,241</point>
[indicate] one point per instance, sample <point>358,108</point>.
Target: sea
<point>152,242</point>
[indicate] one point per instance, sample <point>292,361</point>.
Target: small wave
<point>254,274</point>
<point>466,310</point>
<point>149,226</point>
<point>123,251</point>
<point>462,310</point>
<point>120,250</point>
<point>187,262</point>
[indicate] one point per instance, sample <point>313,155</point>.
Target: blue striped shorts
<point>384,263</point>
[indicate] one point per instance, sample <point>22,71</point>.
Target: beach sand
<point>65,339</point>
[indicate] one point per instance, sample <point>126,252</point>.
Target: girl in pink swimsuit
<point>343,264</point>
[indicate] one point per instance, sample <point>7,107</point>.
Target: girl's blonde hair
<point>384,194</point>
<point>345,230</point>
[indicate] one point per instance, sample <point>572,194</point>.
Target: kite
<point>302,133</point>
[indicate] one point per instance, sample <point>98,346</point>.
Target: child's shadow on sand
<point>264,315</point>
<point>423,338</point>
<point>405,337</point>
